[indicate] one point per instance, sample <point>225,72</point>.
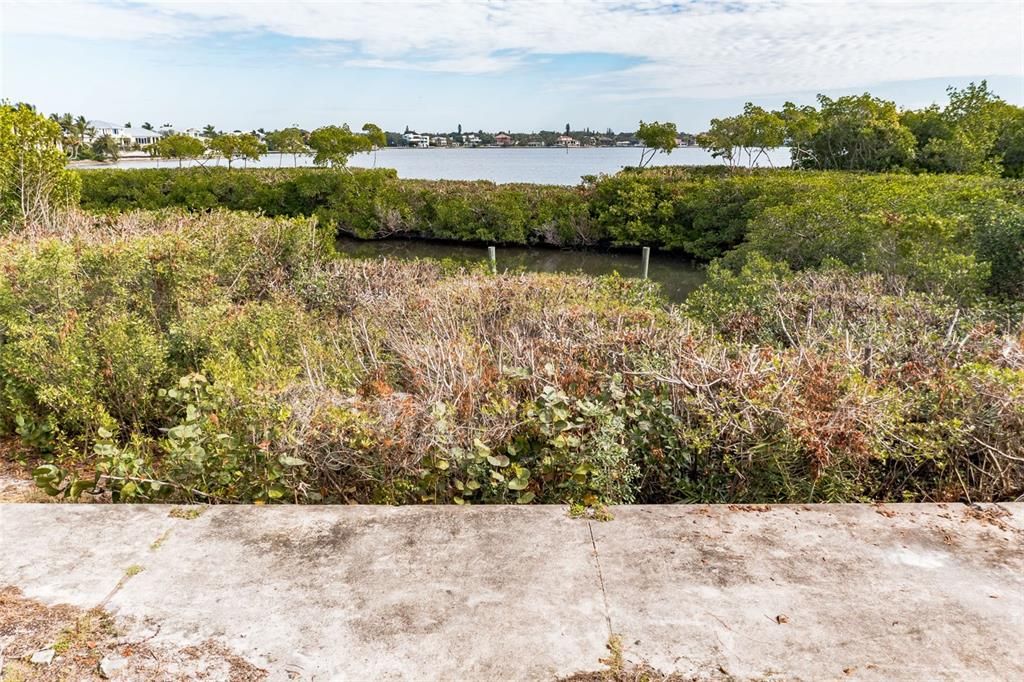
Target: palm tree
<point>67,139</point>
<point>106,148</point>
<point>81,130</point>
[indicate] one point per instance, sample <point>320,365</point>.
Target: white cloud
<point>699,49</point>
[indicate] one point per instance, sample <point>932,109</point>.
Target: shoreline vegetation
<point>192,335</point>
<point>975,132</point>
<point>954,234</point>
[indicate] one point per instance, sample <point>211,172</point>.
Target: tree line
<point>329,145</point>
<point>976,132</point>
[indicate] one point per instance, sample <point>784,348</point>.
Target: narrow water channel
<point>677,276</point>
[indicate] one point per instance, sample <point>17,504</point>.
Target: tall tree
<point>333,145</point>
<point>34,181</point>
<point>722,139</point>
<point>965,131</point>
<point>251,148</point>
<point>82,132</point>
<point>244,146</point>
<point>746,137</point>
<point>226,147</point>
<point>288,141</point>
<point>178,146</point>
<point>1009,145</point>
<point>106,148</point>
<point>800,126</point>
<point>656,137</point>
<point>861,133</point>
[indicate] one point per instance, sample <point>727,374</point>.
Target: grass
<point>618,669</point>
<point>187,513</point>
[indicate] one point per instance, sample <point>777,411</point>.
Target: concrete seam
<point>168,527</point>
<point>600,578</point>
<point>117,588</point>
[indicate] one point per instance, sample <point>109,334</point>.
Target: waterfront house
<point>190,132</point>
<point>416,140</point>
<point>503,140</point>
<point>140,137</point>
<point>566,141</point>
<point>102,128</point>
<point>127,138</point>
<point>439,141</point>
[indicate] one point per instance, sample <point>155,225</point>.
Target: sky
<point>523,65</point>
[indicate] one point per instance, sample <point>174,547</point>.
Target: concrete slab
<point>921,592</point>
<point>918,592</point>
<point>380,593</point>
<point>1014,514</point>
<point>75,554</point>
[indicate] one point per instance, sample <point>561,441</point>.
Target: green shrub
<point>1000,242</point>
<point>231,357</point>
<point>936,231</point>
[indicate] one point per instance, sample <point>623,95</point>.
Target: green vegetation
<point>860,336</point>
<point>976,132</point>
<point>288,141</point>
<point>243,146</point>
<point>34,185</point>
<point>333,145</point>
<point>178,146</point>
<point>944,233</point>
<point>73,130</point>
<point>656,137</point>
<point>231,357</point>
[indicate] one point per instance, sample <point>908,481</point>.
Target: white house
<point>190,132</point>
<point>126,137</point>
<point>566,141</point>
<point>140,136</point>
<point>417,140</point>
<point>101,128</point>
<point>439,141</point>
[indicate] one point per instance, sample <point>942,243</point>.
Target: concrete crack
<point>600,577</point>
<point>117,588</point>
<point>134,569</point>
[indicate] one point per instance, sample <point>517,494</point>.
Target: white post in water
<point>492,255</point>
<point>645,261</point>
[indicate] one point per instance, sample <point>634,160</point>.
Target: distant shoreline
<point>533,165</point>
<point>138,158</point>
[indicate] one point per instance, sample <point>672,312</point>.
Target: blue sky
<point>524,65</point>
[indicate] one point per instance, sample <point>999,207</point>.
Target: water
<point>549,166</point>
<point>677,276</point>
